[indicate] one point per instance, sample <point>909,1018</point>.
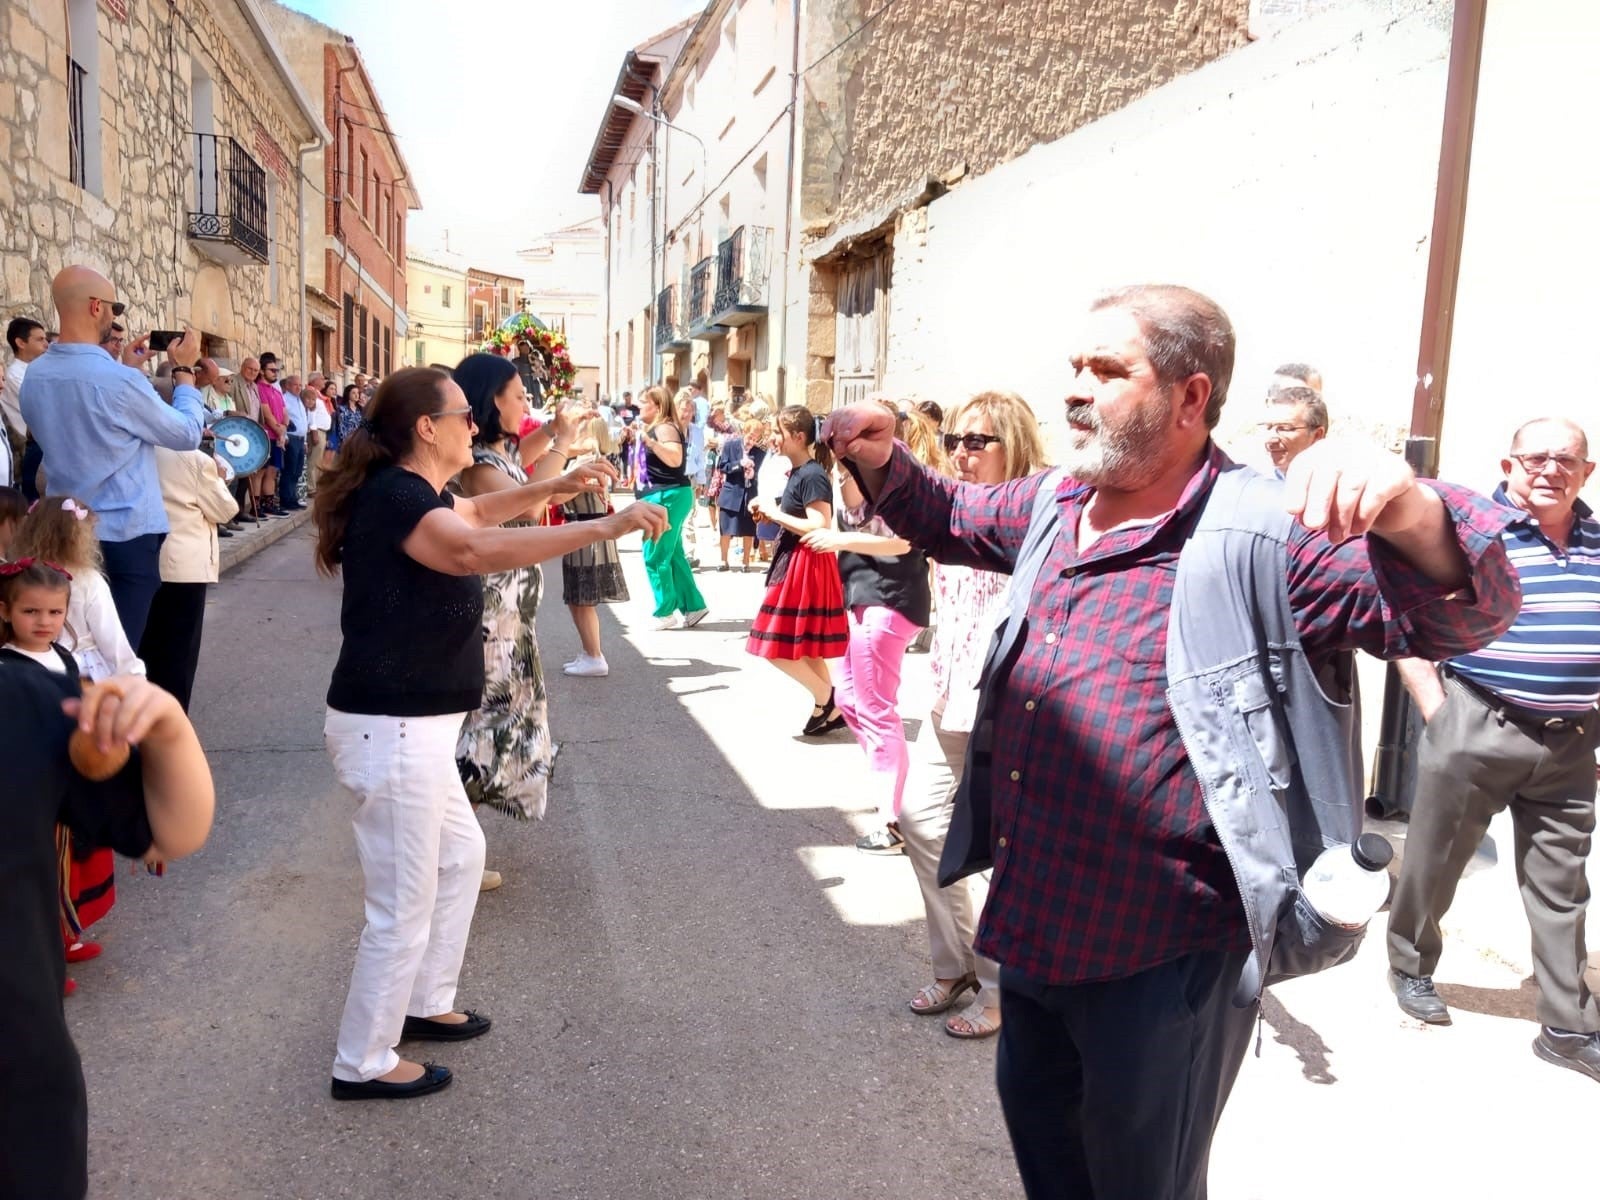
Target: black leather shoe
<point>433,1078</point>
<point>1418,999</point>
<point>1579,1051</point>
<point>420,1029</point>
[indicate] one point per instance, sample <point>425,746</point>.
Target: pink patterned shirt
<point>970,603</point>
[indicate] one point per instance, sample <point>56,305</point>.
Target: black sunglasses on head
<point>972,443</point>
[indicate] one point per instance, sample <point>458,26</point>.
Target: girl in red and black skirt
<point>802,623</point>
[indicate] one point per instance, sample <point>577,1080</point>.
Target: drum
<point>241,443</point>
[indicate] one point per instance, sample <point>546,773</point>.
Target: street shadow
<point>1521,1004</point>
<point>1306,1042</point>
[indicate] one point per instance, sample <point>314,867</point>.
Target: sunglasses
<point>455,412</point>
<point>117,306</point>
<point>972,443</point>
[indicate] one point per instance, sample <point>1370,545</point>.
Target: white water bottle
<point>1348,884</point>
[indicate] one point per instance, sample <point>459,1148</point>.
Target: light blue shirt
<point>98,423</point>
<point>695,451</point>
<point>294,408</point>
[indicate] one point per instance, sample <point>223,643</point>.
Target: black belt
<point>1524,717</point>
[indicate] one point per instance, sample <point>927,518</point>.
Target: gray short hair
<point>1304,398</point>
<point>1185,333</point>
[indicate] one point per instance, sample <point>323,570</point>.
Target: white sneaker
<point>672,622</point>
<point>586,667</point>
<point>491,880</point>
<point>690,620</point>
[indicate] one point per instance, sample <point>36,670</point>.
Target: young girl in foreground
<point>801,623</point>
<point>61,530</point>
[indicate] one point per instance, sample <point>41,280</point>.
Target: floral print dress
<point>505,754</point>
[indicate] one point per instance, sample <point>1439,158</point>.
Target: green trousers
<point>664,561</point>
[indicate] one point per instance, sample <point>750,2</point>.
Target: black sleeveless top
<point>659,474</point>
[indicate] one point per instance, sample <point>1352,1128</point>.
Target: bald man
<point>98,423</point>
<point>1514,725</point>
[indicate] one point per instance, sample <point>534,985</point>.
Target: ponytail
<point>387,434</point>
<point>797,418</point>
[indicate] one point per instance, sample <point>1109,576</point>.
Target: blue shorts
<point>275,460</point>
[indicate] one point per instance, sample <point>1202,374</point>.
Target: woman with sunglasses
<point>506,754</point>
<point>410,669</point>
<point>992,438</point>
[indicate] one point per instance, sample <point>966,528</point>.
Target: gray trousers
<point>1472,763</point>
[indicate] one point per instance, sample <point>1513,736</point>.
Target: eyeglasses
<point>117,306</point>
<point>1281,429</point>
<point>271,367</point>
<point>1534,464</point>
<point>972,443</point>
<point>455,412</point>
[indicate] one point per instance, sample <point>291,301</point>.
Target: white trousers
<point>421,852</point>
<point>953,912</point>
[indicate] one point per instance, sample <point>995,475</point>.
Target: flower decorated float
<point>525,337</point>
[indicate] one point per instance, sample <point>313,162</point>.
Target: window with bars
<point>376,344</point>
<point>349,330</point>
<point>77,78</point>
<point>361,323</point>
<point>387,347</point>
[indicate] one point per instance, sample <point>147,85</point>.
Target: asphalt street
<point>698,986</point>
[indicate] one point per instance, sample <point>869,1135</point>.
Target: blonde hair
<point>53,531</point>
<point>1014,423</point>
<point>920,435</point>
<point>600,434</point>
<point>667,406</point>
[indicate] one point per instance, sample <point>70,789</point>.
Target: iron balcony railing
<point>669,332</point>
<point>230,197</point>
<point>743,270</point>
<point>700,294</point>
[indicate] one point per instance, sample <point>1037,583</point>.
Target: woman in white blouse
<point>197,501</point>
<point>992,438</point>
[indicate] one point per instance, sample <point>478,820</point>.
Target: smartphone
<point>160,339</point>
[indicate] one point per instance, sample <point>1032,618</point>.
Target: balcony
<point>744,268</point>
<point>702,293</point>
<point>229,220</point>
<point>670,333</point>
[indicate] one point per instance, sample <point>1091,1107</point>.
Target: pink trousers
<point>868,694</point>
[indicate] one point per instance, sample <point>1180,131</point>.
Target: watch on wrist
<point>184,370</point>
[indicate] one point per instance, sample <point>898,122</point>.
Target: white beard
<point>1124,457</point>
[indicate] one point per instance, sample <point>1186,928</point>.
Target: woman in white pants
<point>409,671</point>
<point>992,438</point>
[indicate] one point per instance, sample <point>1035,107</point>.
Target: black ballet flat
<point>420,1029</point>
<point>433,1079</point>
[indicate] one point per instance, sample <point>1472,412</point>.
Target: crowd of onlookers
<point>110,476</point>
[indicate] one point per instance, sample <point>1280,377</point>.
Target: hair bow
<point>18,566</point>
<point>72,506</point>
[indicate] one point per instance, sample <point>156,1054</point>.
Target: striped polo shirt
<point>1549,660</point>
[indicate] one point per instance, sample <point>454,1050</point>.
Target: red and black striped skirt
<point>802,615</point>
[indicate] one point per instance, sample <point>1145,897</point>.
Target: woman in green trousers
<point>664,481</point>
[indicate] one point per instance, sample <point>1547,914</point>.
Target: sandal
<point>977,1024</point>
<point>936,998</point>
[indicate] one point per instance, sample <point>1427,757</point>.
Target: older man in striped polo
<point>1515,724</point>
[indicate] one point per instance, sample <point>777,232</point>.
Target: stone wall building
<point>358,194</point>
<point>160,144</point>
<point>903,103</point>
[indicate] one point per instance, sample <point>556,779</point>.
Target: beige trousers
<point>953,912</point>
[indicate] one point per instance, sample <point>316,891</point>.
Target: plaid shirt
<point>1105,861</point>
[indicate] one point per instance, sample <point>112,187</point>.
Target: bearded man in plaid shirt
<point>1113,908</point>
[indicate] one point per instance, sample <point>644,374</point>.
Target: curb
<point>242,547</point>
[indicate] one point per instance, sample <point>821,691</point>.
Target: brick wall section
<point>959,86</point>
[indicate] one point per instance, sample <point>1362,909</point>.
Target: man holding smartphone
<point>98,423</point>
